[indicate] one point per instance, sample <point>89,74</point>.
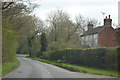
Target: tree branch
<point>5,6</point>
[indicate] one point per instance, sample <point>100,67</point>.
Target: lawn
<point>83,69</point>
<point>9,66</point>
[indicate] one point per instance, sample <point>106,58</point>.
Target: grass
<point>9,66</point>
<point>81,68</point>
<point>0,70</point>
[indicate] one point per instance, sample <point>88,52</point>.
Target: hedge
<point>104,58</point>
<point>9,45</point>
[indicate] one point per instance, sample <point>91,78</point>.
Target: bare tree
<point>62,30</point>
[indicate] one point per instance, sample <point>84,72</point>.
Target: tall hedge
<point>104,58</point>
<point>9,46</point>
<point>118,51</point>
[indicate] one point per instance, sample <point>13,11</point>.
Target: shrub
<point>104,58</point>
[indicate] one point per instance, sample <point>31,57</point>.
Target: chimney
<point>90,25</point>
<point>107,21</point>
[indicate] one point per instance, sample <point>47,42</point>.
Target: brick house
<point>101,36</point>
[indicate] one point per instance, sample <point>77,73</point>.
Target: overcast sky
<point>87,8</point>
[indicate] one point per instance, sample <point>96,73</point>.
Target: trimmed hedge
<point>104,58</point>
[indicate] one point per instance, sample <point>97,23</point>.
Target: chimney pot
<point>106,17</point>
<point>109,16</point>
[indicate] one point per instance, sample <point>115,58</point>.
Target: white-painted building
<point>90,40</point>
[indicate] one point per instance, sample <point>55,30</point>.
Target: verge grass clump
<point>9,66</point>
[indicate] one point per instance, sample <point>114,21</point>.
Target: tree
<point>43,42</point>
<point>18,25</point>
<point>7,5</point>
<point>59,21</point>
<point>61,31</point>
<point>18,14</point>
<point>80,24</point>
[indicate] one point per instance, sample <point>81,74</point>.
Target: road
<point>34,69</point>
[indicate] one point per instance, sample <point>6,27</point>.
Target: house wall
<point>89,41</point>
<point>107,37</point>
<point>118,36</point>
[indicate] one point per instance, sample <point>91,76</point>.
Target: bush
<point>104,58</point>
<point>118,51</point>
<point>81,68</point>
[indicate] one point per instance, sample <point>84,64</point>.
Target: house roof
<point>92,31</point>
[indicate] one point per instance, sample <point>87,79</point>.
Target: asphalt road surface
<point>34,69</point>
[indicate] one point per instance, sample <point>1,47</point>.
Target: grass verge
<point>9,66</point>
<point>0,70</point>
<point>81,68</point>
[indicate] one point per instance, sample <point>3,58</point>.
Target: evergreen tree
<point>43,42</point>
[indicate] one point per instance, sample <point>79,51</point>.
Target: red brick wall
<point>107,37</point>
<point>118,36</point>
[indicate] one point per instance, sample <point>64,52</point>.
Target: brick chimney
<point>107,21</point>
<point>90,26</point>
